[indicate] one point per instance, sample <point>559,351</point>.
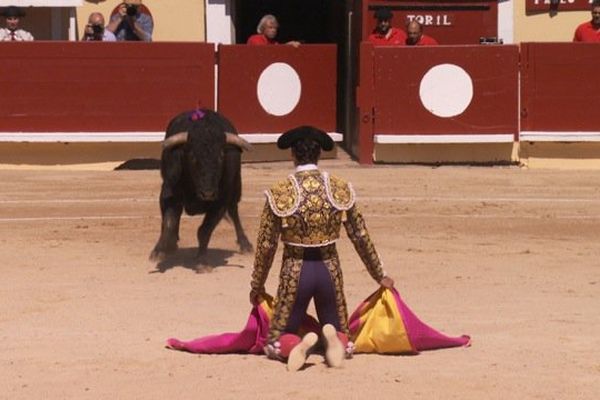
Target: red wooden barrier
<point>106,87</point>
<point>269,89</point>
<point>559,90</point>
<point>400,77</point>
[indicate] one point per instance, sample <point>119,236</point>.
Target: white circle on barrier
<point>279,89</point>
<point>446,90</point>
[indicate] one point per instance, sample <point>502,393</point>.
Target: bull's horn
<point>235,140</point>
<point>174,140</point>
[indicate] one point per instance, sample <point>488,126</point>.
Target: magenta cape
<point>382,323</point>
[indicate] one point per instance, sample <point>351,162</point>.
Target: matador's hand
<point>254,297</point>
<point>387,282</point>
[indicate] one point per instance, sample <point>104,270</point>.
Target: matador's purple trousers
<point>315,282</point>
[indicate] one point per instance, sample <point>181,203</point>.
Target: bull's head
<point>203,157</point>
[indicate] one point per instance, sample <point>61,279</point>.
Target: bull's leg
<point>242,239</point>
<point>169,234</point>
<point>211,219</point>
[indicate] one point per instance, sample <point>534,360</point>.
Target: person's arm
<point>143,27</point>
<point>28,37</point>
<point>266,247</point>
<point>294,43</point>
<point>116,20</point>
<point>358,234</point>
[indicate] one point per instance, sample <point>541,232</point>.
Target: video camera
<point>97,32</point>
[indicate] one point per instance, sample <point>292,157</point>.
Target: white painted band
<point>541,136</point>
<point>434,138</point>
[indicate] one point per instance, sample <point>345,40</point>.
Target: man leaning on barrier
<point>267,33</point>
<point>590,31</point>
<point>416,37</point>
<point>384,34</point>
<point>12,32</point>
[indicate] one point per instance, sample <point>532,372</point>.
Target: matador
<point>306,211</point>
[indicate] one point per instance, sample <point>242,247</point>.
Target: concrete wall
<point>545,27</point>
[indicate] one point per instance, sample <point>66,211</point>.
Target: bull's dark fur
<point>201,176</point>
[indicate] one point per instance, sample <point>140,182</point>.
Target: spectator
<point>95,29</point>
<point>12,32</point>
<point>384,34</point>
<point>129,23</point>
<point>590,31</point>
<point>415,36</point>
<point>267,32</point>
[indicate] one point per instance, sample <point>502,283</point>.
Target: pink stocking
<point>287,342</point>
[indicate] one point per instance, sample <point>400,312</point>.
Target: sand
<point>507,255</point>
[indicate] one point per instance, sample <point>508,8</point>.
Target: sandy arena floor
<point>509,256</point>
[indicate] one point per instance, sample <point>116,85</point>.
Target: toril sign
<point>432,19</point>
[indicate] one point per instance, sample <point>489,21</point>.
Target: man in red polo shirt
<point>590,31</point>
<point>384,34</point>
<point>267,32</point>
<point>415,36</point>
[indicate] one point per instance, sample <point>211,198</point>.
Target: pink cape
<point>382,323</point>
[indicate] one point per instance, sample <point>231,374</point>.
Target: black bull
<point>201,173</point>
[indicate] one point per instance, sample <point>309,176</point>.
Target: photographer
<point>95,31</point>
<point>129,23</point>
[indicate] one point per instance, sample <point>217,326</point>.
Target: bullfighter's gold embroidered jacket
<point>307,210</point>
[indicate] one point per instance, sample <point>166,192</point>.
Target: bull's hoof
<point>157,256</point>
<point>161,252</point>
<point>201,255</point>
<point>246,247</point>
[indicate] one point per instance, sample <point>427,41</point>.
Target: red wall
<point>83,86</point>
<point>559,87</point>
<point>240,67</point>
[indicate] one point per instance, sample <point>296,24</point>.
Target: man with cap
<point>12,32</point>
<point>384,34</point>
<point>307,211</point>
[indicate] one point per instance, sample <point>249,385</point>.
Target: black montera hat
<point>288,138</point>
<point>12,11</point>
<point>383,14</point>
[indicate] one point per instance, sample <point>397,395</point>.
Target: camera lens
<point>97,29</point>
<point>131,9</point>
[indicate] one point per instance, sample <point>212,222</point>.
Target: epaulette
<point>339,192</point>
<point>284,197</point>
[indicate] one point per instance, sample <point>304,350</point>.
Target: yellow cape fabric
<point>381,329</point>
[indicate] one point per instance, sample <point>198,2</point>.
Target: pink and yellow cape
<point>382,323</point>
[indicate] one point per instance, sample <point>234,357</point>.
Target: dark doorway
<point>308,21</point>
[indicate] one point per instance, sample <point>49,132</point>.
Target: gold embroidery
<point>306,210</point>
<point>340,193</point>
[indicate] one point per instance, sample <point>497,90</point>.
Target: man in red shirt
<point>590,31</point>
<point>384,34</point>
<point>267,32</point>
<point>415,36</point>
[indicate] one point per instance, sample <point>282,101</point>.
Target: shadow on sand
<point>186,258</point>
